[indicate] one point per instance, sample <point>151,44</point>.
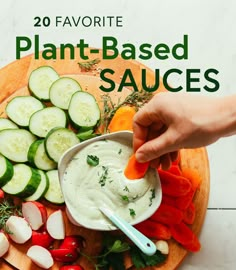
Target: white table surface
<point>210,25</point>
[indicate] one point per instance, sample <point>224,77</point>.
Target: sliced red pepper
<point>154,229</point>
<point>64,254</point>
<point>167,214</point>
<point>174,185</point>
<point>175,170</point>
<point>169,200</point>
<point>189,214</point>
<point>183,202</point>
<point>185,236</point>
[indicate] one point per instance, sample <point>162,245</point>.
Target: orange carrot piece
<point>185,236</point>
<point>167,214</point>
<point>122,119</point>
<point>134,169</point>
<point>193,176</point>
<point>183,202</point>
<point>174,185</point>
<point>189,214</point>
<point>154,229</point>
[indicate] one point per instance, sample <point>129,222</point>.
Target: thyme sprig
<point>8,209</point>
<point>89,65</point>
<point>135,99</point>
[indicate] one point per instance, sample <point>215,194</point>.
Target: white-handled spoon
<point>140,240</point>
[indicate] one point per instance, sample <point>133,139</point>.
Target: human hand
<point>171,121</point>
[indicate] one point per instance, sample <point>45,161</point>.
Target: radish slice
<point>4,244</point>
<point>35,213</point>
<point>55,225</point>
<point>40,256</point>
<point>19,228</point>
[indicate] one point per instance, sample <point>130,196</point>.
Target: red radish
<point>73,241</point>
<point>55,225</point>
<point>4,244</point>
<point>1,194</point>
<point>40,256</point>
<point>71,267</point>
<point>19,228</point>
<point>42,239</point>
<point>64,254</point>
<point>35,213</point>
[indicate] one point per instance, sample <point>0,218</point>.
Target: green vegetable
<point>152,196</point>
<point>141,260</point>
<point>92,160</point>
<point>104,176</point>
<point>132,212</point>
<point>125,198</point>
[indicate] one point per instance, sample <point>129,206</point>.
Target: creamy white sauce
<point>86,188</point>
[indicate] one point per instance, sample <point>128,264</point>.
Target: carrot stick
<point>193,177</point>
<point>167,214</point>
<point>134,169</point>
<point>174,185</point>
<point>122,119</point>
<point>154,229</point>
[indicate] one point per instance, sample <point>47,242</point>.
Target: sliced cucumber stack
<point>15,144</point>
<point>62,90</point>
<point>6,170</point>
<point>7,124</point>
<point>41,189</point>
<point>41,122</point>
<point>38,157</point>
<point>20,109</point>
<point>54,193</point>
<point>83,110</point>
<point>58,141</point>
<point>40,81</point>
<point>24,182</point>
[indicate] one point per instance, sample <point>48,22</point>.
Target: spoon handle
<point>140,240</point>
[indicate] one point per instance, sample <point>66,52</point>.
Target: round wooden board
<point>13,82</point>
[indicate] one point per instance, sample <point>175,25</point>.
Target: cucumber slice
<point>7,124</point>
<point>40,81</point>
<point>42,188</point>
<point>62,90</point>
<point>20,109</point>
<point>6,170</point>
<point>24,182</point>
<point>15,143</point>
<point>38,157</point>
<point>54,193</point>
<point>41,122</point>
<point>83,110</point>
<point>58,141</point>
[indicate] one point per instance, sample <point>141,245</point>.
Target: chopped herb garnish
<point>104,176</point>
<point>125,198</point>
<point>120,151</point>
<point>152,196</point>
<point>135,197</point>
<point>88,65</point>
<point>132,212</point>
<point>92,160</point>
<point>126,189</point>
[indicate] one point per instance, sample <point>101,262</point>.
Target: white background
<point>210,25</point>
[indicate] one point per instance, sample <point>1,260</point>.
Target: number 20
<point>45,21</point>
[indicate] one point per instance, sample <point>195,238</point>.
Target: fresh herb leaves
<point>7,209</point>
<point>126,189</point>
<point>125,198</point>
<point>92,160</point>
<point>132,212</point>
<point>104,176</point>
<point>141,260</point>
<point>89,65</point>
<point>152,196</point>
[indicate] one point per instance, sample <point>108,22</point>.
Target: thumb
<point>155,148</point>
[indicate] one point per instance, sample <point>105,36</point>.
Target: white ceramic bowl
<point>70,153</point>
